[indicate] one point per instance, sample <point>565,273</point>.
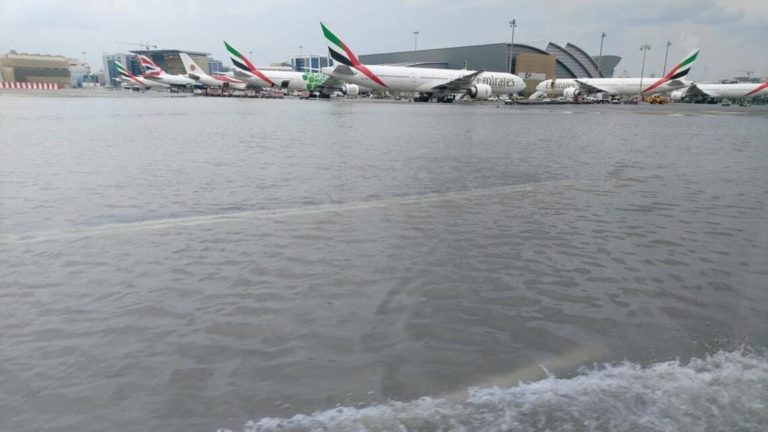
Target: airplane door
<point>284,84</point>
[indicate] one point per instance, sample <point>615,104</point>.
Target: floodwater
<point>204,264</point>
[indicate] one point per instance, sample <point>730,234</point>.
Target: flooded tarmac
<point>196,263</point>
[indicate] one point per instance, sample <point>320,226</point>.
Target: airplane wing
<point>332,82</point>
<point>589,88</point>
<point>461,83</point>
<point>694,90</point>
<point>343,69</point>
<point>241,75</point>
<point>676,84</point>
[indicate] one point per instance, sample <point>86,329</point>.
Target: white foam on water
<point>726,391</point>
<point>164,223</point>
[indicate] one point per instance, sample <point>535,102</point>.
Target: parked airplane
<point>155,73</point>
<point>571,88</point>
<point>196,73</point>
<point>729,91</point>
<point>283,79</point>
<point>130,80</point>
<point>442,84</point>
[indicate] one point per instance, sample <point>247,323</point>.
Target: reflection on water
<point>196,263</point>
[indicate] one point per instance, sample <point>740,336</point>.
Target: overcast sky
<point>731,33</point>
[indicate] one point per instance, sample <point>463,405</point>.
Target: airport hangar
<point>530,63</point>
<point>35,68</point>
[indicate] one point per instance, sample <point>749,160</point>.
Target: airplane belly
<point>297,85</point>
<point>256,82</point>
<point>211,82</point>
<point>423,88</point>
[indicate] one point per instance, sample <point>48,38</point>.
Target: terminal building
<point>607,64</point>
<point>169,59</point>
<point>35,68</point>
<point>530,63</point>
<point>79,71</point>
<point>308,62</point>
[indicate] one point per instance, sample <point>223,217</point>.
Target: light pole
<point>512,24</point>
<point>415,41</point>
<point>600,56</point>
<point>644,48</point>
<point>665,57</point>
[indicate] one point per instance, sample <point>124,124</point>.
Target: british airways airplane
<point>155,73</point>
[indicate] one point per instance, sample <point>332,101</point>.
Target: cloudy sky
<point>730,33</point>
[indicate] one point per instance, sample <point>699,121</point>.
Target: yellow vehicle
<point>657,99</point>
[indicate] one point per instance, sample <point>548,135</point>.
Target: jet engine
<point>677,95</point>
<point>350,90</point>
<point>570,93</point>
<point>480,91</point>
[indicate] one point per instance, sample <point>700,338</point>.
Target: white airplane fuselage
<point>732,91</point>
<point>174,80</point>
<point>612,86</point>
<point>422,80</point>
<point>218,81</point>
<point>289,80</point>
<point>138,81</point>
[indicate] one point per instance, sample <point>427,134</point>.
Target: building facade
<point>607,64</point>
<point>169,59</point>
<point>79,72</point>
<point>216,66</point>
<point>35,68</point>
<point>569,61</point>
<point>308,63</point>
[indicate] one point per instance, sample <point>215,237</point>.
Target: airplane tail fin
<point>190,66</point>
<point>123,71</point>
<point>681,69</point>
<point>126,74</point>
<point>340,52</point>
<point>678,71</point>
<point>150,67</point>
<point>337,49</point>
<point>244,64</point>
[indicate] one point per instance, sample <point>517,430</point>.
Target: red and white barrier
<point>28,85</point>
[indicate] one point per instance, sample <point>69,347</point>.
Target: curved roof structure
<point>584,59</point>
<point>607,64</point>
<point>572,63</point>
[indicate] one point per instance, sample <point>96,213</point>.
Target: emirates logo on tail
<point>341,53</point>
<point>679,71</point>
